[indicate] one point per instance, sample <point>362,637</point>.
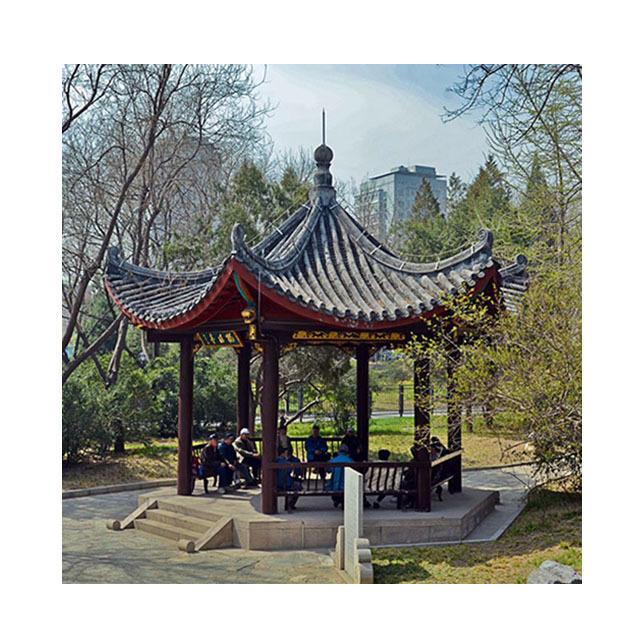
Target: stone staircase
<point>191,528</point>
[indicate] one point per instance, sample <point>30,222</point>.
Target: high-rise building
<point>387,198</point>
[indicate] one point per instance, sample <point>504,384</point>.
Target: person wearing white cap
<point>248,454</point>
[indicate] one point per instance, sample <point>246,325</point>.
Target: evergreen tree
<point>456,192</point>
<point>425,204</point>
<point>291,191</point>
<point>488,196</point>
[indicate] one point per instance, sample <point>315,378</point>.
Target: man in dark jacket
<point>355,448</point>
<point>213,464</point>
<point>248,454</point>
<point>444,470</point>
<point>230,457</point>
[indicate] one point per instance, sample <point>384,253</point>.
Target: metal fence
<point>394,399</point>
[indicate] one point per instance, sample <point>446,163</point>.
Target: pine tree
<point>425,204</point>
<point>456,192</point>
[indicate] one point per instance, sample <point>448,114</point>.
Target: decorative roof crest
<point>323,191</point>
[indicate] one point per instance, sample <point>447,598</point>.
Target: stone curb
<point>499,466</point>
<point>115,488</point>
<point>496,535</point>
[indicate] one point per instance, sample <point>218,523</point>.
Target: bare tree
<point>140,158</point>
<point>82,86</point>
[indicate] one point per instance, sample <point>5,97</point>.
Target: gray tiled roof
<point>321,259</point>
<point>156,296</point>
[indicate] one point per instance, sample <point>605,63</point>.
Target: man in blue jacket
<point>317,449</point>
<point>336,481</point>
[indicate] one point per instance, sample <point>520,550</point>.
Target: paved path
<point>93,554</point>
<point>513,484</point>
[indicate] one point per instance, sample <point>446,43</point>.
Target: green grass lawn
<point>550,528</point>
<point>159,459</point>
<point>480,448</point>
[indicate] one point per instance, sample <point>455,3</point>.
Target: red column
<point>244,381</point>
<point>362,396</point>
<point>421,401</point>
<point>269,420</point>
<point>185,416</point>
<point>421,430</point>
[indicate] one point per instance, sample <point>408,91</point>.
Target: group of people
<point>239,456</point>
<point>224,459</point>
<point>317,450</point>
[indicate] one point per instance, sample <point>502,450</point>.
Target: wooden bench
<point>395,479</point>
<point>299,451</point>
<point>386,483</point>
<point>398,479</point>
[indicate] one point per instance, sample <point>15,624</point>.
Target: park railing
<point>411,482</point>
<point>297,444</point>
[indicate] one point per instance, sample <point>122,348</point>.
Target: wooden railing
<point>411,482</point>
<point>333,442</point>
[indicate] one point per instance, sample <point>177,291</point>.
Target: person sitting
<point>408,482</point>
<point>248,454</point>
<point>212,464</point>
<point>230,457</point>
<point>438,450</point>
<point>317,449</point>
<point>356,452</point>
<point>288,480</point>
<point>336,481</point>
<point>283,440</point>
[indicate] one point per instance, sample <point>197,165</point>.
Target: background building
<point>388,197</point>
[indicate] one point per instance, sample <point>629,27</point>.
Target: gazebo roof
<point>320,264</point>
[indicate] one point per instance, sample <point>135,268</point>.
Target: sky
<point>378,117</point>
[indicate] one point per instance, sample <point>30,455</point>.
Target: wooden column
<point>422,430</point>
<point>269,420</point>
<point>185,416</point>
<point>421,401</point>
<point>454,416</point>
<point>362,396</point>
<point>244,382</point>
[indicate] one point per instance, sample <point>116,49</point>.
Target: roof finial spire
<point>322,178</point>
<point>323,128</point>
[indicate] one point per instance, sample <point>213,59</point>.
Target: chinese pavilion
<point>319,278</point>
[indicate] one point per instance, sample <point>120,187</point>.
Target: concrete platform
<point>315,522</point>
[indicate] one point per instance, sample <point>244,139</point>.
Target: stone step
<point>180,520</point>
<point>189,510</point>
<point>164,530</point>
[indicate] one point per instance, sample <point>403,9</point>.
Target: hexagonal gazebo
<point>319,278</point>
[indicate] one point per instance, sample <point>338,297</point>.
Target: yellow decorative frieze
<point>349,336</point>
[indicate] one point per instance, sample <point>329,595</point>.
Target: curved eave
<point>201,305</point>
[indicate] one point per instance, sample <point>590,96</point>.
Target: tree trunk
<point>118,446</point>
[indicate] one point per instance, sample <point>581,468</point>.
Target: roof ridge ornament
<point>323,192</point>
